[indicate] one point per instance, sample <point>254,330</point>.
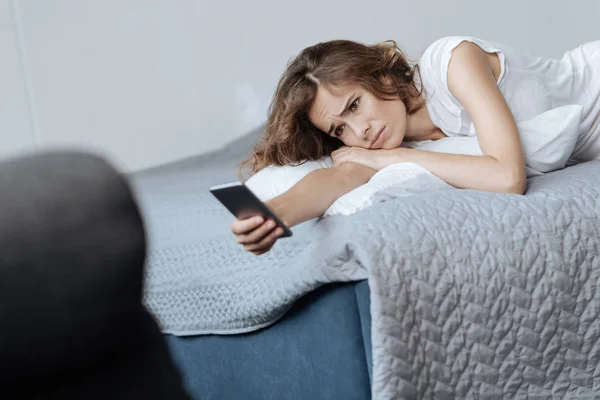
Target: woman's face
<point>358,118</point>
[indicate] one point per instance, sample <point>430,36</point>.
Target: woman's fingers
<point>257,234</point>
<point>244,226</point>
<point>339,159</point>
<point>265,243</point>
<point>340,151</point>
<point>339,156</point>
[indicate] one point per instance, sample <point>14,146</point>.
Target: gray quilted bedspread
<point>473,294</point>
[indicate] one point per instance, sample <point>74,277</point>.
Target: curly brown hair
<point>289,137</point>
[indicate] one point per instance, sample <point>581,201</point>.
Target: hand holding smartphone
<point>243,204</point>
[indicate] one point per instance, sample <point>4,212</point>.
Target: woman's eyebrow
<point>343,111</point>
<point>347,104</point>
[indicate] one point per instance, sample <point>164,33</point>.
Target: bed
<point>451,294</point>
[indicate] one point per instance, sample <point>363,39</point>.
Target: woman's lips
<point>378,138</point>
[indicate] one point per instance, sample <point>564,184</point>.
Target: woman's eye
<point>353,106</point>
<point>339,130</point>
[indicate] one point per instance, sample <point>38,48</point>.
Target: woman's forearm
<point>466,171</point>
<point>317,191</point>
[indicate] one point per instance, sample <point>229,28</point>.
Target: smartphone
<point>242,203</point>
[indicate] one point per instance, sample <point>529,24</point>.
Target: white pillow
<point>274,180</point>
<point>396,180</point>
<point>403,179</point>
<point>548,141</point>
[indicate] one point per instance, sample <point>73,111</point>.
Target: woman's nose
<point>361,129</point>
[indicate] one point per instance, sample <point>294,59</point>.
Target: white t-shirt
<point>531,86</point>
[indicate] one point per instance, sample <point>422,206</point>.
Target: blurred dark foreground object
<point>72,251</point>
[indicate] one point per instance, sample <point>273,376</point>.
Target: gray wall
<point>146,82</point>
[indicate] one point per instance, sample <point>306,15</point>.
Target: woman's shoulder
<point>441,50</point>
<point>444,108</point>
<point>435,61</point>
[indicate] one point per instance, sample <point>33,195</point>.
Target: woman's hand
<point>307,199</point>
<point>374,159</point>
<point>256,234</point>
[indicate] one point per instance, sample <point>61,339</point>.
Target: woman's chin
<point>392,143</point>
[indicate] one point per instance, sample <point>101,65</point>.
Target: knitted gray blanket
<point>473,294</point>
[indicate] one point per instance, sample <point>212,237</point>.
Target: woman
<point>359,103</point>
